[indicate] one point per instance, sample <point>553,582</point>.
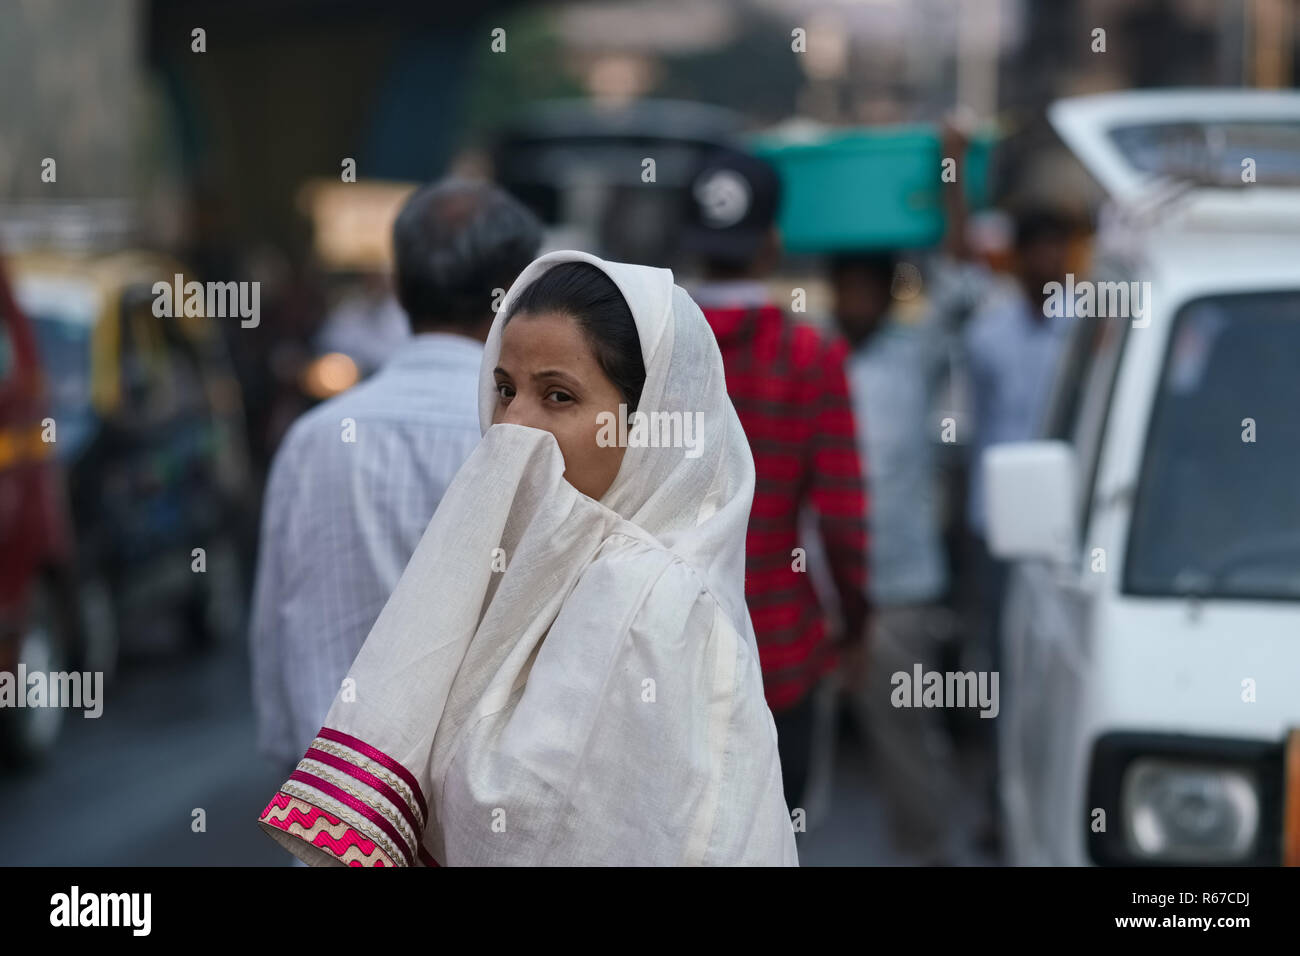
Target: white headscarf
<point>557,680</point>
<point>696,507</point>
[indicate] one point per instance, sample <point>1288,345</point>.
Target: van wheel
<point>30,733</point>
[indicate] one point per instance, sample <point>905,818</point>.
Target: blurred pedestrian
<point>787,383</point>
<point>356,480</point>
<point>1012,347</point>
<point>895,370</point>
<point>367,325</point>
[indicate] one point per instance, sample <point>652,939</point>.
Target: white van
<point>1151,633</point>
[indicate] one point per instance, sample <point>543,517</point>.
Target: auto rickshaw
<point>150,431</point>
<point>39,626</point>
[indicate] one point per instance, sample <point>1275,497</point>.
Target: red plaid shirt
<point>788,385</point>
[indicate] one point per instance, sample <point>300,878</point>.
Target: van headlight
<point>1160,799</point>
<point>1181,812</point>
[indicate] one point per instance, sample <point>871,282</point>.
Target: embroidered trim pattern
<point>338,808</point>
<point>373,755</point>
<point>399,787</point>
<point>404,837</point>
<point>368,795</point>
<point>323,830</point>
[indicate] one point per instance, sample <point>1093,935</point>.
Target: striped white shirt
<point>350,492</point>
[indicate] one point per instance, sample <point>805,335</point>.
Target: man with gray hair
<point>357,478</point>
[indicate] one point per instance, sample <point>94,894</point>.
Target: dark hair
<point>725,268</point>
<point>1036,223</point>
<point>454,242</point>
<point>585,292</point>
<point>878,265</point>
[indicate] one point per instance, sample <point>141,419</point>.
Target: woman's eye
<point>505,391</point>
<point>563,396</point>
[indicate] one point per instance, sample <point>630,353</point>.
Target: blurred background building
<point>285,90</point>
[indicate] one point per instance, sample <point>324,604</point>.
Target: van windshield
<point>1211,152</point>
<point>1217,511</point>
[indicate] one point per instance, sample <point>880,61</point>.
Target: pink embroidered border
<point>325,841</point>
<point>371,814</point>
<point>307,820</point>
<point>357,773</point>
<point>379,757</point>
<point>367,811</point>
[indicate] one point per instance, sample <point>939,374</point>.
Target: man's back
<point>351,491</point>
<point>788,386</point>
<point>1011,359</point>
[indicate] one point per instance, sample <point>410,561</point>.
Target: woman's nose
<point>521,412</point>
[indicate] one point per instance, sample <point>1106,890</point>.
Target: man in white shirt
<point>356,480</point>
<point>1012,347</point>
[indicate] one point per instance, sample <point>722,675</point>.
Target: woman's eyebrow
<point>500,371</point>
<point>554,373</point>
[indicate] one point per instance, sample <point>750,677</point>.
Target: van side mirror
<point>1030,500</point>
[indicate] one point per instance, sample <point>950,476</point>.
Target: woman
<point>566,673</point>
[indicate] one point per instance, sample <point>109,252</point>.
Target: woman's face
<point>548,377</point>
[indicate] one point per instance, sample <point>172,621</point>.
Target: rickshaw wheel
<point>30,733</point>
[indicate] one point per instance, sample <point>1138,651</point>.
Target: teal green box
<point>876,188</point>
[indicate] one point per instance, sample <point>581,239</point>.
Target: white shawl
<point>556,680</point>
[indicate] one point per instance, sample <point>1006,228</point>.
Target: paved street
<point>848,819</point>
<point>177,734</point>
